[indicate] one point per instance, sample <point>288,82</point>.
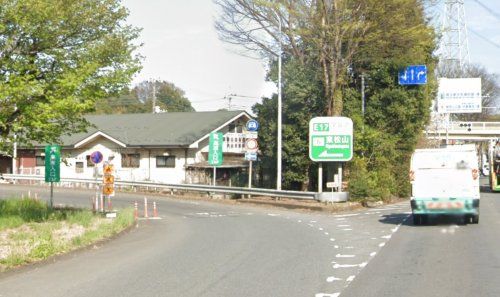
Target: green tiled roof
<point>161,129</point>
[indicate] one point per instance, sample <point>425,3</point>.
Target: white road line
<point>373,254</point>
<point>273,214</point>
<point>343,225</point>
<point>335,246</point>
<point>346,215</point>
<point>386,236</point>
<point>332,279</point>
<point>326,233</point>
<point>344,256</point>
<point>312,221</point>
<point>350,278</point>
<point>310,225</point>
<point>349,265</point>
<point>381,244</point>
<point>327,295</point>
<point>299,221</point>
<point>320,229</point>
<point>332,239</point>
<point>347,229</point>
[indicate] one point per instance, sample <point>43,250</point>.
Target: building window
<point>40,160</point>
<point>165,161</point>
<point>89,162</point>
<point>79,167</point>
<point>131,160</point>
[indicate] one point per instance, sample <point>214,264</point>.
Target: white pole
<point>278,168</point>
<point>320,177</point>
<point>340,177</point>
<point>14,156</point>
<point>250,175</point>
<point>215,172</point>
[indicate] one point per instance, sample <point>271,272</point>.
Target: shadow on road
<point>434,220</point>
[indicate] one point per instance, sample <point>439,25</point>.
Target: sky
<point>181,46</point>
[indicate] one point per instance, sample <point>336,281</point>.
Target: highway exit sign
<point>330,139</point>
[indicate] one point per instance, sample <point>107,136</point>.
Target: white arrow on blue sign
<point>413,75</point>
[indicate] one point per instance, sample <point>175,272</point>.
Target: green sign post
<point>52,168</point>
<point>330,140</point>
<point>215,156</point>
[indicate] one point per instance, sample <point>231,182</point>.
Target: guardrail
<point>184,187</point>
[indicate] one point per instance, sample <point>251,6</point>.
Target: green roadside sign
<point>52,163</point>
<point>215,156</point>
<point>330,139</point>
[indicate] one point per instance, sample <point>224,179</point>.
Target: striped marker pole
<point>102,203</point>
<point>145,207</point>
<point>155,210</point>
<point>136,211</point>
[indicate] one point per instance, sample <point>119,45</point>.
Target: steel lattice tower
<point>454,47</point>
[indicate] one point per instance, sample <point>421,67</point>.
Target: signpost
<point>215,156</point>
<point>108,179</point>
<point>251,147</point>
<point>330,140</point>
<point>413,75</point>
<point>52,168</point>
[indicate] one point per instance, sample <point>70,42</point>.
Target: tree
<point>168,96</point>
<point>57,59</point>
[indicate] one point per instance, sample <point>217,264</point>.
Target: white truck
<point>445,181</point>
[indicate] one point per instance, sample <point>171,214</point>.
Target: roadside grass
<point>30,231</point>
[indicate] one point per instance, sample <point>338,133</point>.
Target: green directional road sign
<point>52,163</point>
<point>215,156</point>
<point>330,139</point>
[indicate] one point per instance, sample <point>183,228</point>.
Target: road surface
<point>209,249</point>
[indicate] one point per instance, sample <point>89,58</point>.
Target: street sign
<point>330,139</point>
<point>108,189</point>
<point>215,156</point>
<point>413,75</point>
<point>251,145</point>
<point>251,156</point>
<point>96,157</point>
<point>52,163</point>
<point>252,125</point>
<point>108,179</point>
<point>459,95</point>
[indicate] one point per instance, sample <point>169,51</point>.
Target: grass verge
<point>30,231</point>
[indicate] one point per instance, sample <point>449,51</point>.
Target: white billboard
<point>459,95</point>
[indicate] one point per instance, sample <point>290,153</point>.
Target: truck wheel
<point>417,219</point>
<point>475,219</point>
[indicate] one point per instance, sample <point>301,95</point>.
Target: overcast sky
<point>182,47</point>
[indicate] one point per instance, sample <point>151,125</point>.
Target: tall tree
<point>168,96</point>
<point>57,58</point>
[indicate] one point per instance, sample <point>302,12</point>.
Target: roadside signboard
<point>96,157</point>
<point>330,139</point>
<point>108,179</point>
<point>251,156</point>
<point>215,156</point>
<point>52,163</point>
<point>251,145</point>
<point>459,95</point>
<point>413,75</point>
<point>252,125</point>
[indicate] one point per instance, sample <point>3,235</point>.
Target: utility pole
<point>154,97</point>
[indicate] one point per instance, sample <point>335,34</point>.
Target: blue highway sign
<point>252,125</point>
<point>413,75</point>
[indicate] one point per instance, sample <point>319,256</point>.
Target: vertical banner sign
<point>330,139</point>
<point>215,156</point>
<point>52,163</point>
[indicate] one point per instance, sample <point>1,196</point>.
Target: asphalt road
<point>209,249</point>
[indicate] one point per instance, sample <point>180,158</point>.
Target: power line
<point>491,11</point>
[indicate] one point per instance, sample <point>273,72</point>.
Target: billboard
<point>459,95</point>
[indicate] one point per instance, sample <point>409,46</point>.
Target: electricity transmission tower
<point>454,47</point>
